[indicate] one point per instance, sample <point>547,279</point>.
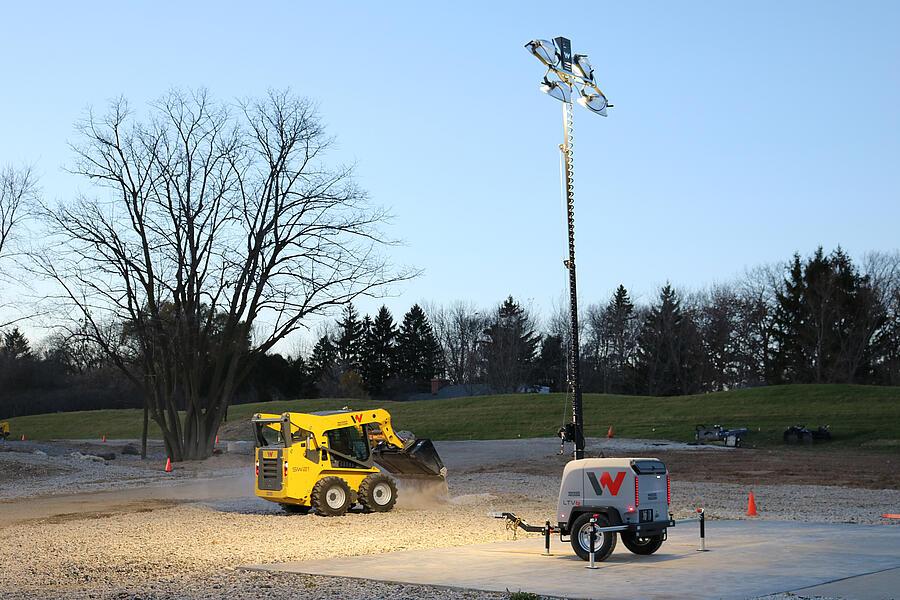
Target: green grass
<point>857,414</point>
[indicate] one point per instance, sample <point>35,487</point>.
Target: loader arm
<point>383,419</point>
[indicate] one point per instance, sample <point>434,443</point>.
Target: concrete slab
<point>746,559</point>
<point>884,585</point>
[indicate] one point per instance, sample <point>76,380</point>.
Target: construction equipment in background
<point>4,429</point>
<point>732,438</point>
<point>328,461</point>
<point>800,434</point>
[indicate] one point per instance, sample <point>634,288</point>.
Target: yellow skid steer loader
<point>328,461</point>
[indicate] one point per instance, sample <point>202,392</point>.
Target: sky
<point>741,133</point>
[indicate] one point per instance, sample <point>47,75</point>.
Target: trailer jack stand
<point>702,517</point>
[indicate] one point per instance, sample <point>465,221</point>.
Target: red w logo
<point>357,418</point>
<point>607,482</point>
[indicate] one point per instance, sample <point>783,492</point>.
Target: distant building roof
<point>455,391</point>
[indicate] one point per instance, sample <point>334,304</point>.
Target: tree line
<point>819,319</point>
<point>815,319</point>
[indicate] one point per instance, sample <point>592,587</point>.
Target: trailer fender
<point>611,513</point>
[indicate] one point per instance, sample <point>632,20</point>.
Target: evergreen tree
<point>323,366</point>
<point>418,353</point>
<point>378,352</point>
<point>15,346</point>
<point>365,343</point>
<point>550,368</point>
<point>669,352</point>
<point>510,347</point>
<point>349,339</point>
<point>304,384</point>
<point>826,318</point>
<point>620,335</point>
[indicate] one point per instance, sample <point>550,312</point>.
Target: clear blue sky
<point>741,133</point>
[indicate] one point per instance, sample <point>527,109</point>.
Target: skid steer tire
<point>640,545</point>
<point>377,493</point>
<point>604,544</point>
<point>295,509</point>
<point>330,497</point>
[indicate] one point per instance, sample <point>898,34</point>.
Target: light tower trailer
<point>607,498</point>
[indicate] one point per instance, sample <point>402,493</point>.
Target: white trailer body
<point>630,494</point>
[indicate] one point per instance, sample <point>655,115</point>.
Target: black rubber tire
<point>603,545</point>
<point>372,491</point>
<point>324,494</point>
<point>295,509</point>
<point>639,545</point>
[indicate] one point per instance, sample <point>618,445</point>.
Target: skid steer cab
<point>329,461</point>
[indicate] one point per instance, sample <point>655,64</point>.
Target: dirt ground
<point>798,466</point>
<point>80,528</point>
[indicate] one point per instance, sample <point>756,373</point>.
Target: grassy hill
<point>857,414</point>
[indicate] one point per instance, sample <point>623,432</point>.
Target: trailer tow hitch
<point>514,522</point>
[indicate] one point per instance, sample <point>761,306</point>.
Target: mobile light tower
<point>569,75</point>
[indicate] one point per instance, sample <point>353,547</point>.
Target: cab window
<point>269,434</point>
<point>351,441</point>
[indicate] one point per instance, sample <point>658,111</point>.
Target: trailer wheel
<point>330,497</point>
<point>641,545</point>
<point>604,543</point>
<point>378,493</point>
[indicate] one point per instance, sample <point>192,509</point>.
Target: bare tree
<point>757,300</point>
<point>459,328</point>
<point>18,188</point>
<point>882,272</point>
<point>18,192</point>
<point>221,231</point>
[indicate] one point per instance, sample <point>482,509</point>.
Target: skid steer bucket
<point>420,473</point>
<point>418,460</point>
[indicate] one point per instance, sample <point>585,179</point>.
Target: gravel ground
<point>171,552</point>
<point>177,549</point>
<point>278,586</point>
<point>35,469</point>
<point>195,540</point>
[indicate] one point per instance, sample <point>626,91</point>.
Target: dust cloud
<point>422,493</point>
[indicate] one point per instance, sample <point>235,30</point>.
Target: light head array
<point>566,73</point>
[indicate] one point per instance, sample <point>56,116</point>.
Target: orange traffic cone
<point>610,433</point>
<point>751,506</point>
<point>168,465</point>
<point>217,439</point>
